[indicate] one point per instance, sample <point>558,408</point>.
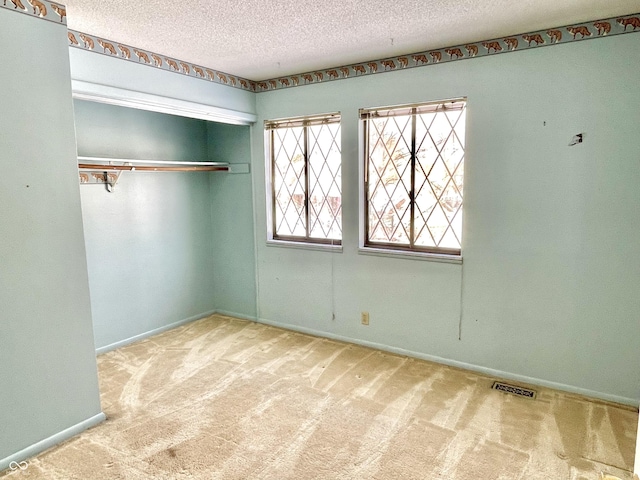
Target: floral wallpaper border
<point>43,9</point>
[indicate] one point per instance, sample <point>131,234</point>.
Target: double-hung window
<point>304,184</point>
<point>414,177</point>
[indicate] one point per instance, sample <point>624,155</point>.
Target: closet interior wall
<point>149,242</point>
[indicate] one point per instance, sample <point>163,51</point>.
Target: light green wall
<point>48,377</point>
<point>113,131</point>
<point>149,242</point>
<point>232,219</point>
<point>108,71</point>
<point>551,242</point>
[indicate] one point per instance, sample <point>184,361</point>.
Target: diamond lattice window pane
<point>438,177</point>
<point>450,201</point>
<point>437,224</point>
<point>426,151</point>
<point>456,225</point>
<point>306,178</point>
<point>431,146</point>
<point>449,240</point>
<point>289,181</point>
<point>325,180</point>
<point>390,180</point>
<point>426,201</point>
<point>445,179</point>
<point>452,153</point>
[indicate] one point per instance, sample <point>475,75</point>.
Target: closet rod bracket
<point>101,177</point>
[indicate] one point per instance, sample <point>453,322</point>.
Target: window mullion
<point>412,192</point>
<point>367,161</point>
<point>273,182</point>
<point>306,181</point>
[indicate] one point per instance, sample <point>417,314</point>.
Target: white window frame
<point>272,239</point>
<point>381,250</point>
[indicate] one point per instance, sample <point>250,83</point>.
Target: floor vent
<point>520,391</point>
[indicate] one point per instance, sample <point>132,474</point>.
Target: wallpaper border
<point>85,41</point>
<point>513,43</point>
<point>55,12</point>
<point>43,9</point>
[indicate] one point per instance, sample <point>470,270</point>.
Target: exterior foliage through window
<point>414,176</point>
<point>306,179</point>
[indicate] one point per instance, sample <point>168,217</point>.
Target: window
<point>305,179</point>
<point>414,176</point>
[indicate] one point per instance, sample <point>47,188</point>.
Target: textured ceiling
<point>259,39</point>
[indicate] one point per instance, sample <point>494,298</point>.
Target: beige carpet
<point>223,398</point>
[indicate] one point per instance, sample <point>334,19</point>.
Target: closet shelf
<point>106,171</point>
<point>102,163</point>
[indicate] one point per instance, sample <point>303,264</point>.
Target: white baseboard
<point>150,333</point>
<point>454,363</point>
<point>242,316</point>
<point>400,351</point>
<point>51,441</point>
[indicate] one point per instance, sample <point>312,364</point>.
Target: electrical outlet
<point>364,318</point>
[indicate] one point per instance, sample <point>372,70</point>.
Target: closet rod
<point>154,162</point>
<point>150,168</point>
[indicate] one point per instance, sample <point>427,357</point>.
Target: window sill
<point>304,245</point>
<point>429,257</point>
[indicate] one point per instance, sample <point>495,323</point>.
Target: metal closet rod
<point>104,163</point>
